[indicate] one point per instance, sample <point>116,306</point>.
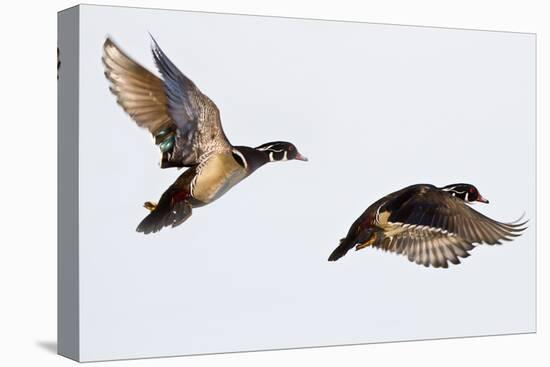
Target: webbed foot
<point>149,205</point>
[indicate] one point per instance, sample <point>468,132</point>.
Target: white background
<point>28,217</point>
<point>375,108</point>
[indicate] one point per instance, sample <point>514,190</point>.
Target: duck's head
<point>281,151</point>
<point>466,192</point>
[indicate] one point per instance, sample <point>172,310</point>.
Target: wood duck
<point>429,225</point>
<point>186,126</point>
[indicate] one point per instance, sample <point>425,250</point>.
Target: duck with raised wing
<point>431,226</point>
<point>186,126</point>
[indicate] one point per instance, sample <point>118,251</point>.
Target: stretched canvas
<point>191,221</point>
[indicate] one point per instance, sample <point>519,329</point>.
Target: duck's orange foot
<point>149,205</point>
<point>370,241</point>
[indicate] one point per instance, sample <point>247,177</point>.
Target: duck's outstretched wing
<point>139,92</point>
<point>434,210</point>
<point>423,245</point>
<point>184,122</point>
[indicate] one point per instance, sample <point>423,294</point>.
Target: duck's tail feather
<point>345,245</point>
<point>164,215</point>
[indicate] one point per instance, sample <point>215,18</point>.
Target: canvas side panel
<point>67,183</point>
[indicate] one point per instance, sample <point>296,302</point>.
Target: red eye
<point>471,190</point>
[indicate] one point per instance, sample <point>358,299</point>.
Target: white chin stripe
<point>272,158</point>
<point>270,152</point>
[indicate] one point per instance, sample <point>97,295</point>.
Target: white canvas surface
<point>375,108</point>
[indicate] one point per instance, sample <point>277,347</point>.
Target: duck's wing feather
<point>139,92</point>
<point>195,115</point>
<point>436,209</point>
<point>423,245</point>
<point>173,106</point>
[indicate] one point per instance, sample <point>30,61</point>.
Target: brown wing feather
<point>139,92</point>
<point>200,132</point>
<point>424,246</point>
<point>436,209</point>
<point>174,103</point>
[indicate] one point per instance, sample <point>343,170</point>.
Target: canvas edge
<point>68,330</point>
